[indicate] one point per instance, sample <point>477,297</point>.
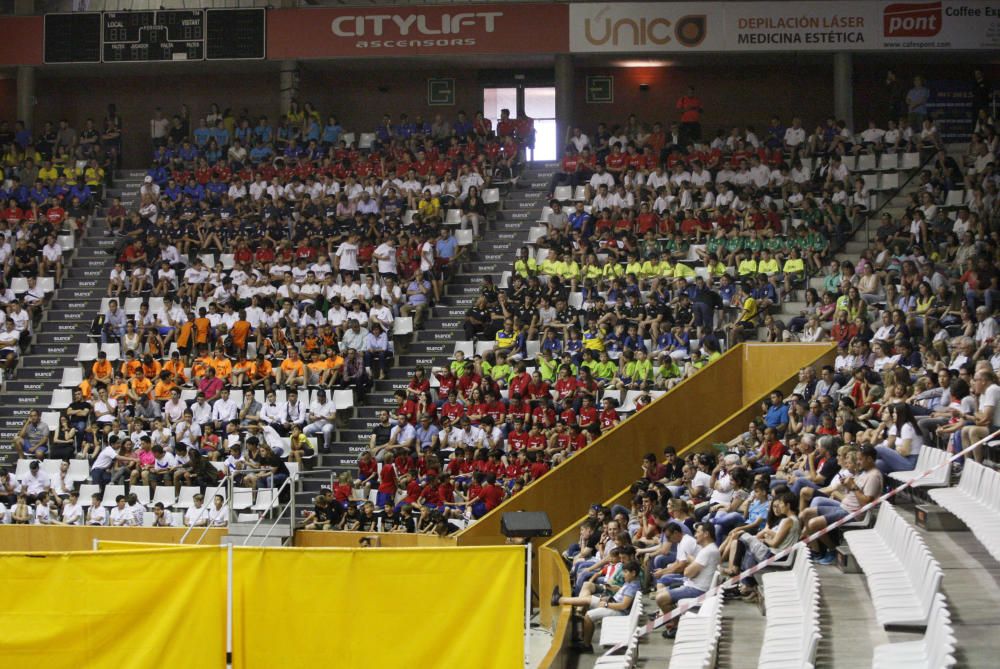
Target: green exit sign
<point>600,89</point>
<point>440,92</point>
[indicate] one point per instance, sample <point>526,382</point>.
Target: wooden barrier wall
<point>759,360</point>
<point>329,539</point>
<point>680,417</point>
<point>17,538</point>
<point>612,460</point>
<point>764,359</point>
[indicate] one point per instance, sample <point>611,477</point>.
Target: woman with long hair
<point>902,444</point>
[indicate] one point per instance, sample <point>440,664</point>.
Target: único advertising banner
<point>802,26</point>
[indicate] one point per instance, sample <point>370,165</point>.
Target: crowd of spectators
<point>809,459</point>
<point>317,248</point>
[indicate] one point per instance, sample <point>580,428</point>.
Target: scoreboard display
<point>152,36</point>
<point>148,36</point>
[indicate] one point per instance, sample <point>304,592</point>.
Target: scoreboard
<point>146,36</point>
<point>151,36</point>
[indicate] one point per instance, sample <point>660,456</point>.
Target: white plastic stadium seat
<point>463,237</point>
<point>934,651</point>
<point>902,575</point>
<point>976,502</point>
<point>87,352</point>
<point>71,377</point>
<point>61,398</point>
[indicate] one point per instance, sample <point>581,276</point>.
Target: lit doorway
<point>539,105</point>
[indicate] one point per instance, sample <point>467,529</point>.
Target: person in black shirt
<point>477,317</point>
<point>279,472</point>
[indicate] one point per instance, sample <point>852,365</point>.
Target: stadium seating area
<point>267,275</point>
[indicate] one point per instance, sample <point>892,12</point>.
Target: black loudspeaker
<point>526,524</point>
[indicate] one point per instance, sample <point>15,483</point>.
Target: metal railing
<point>288,506</point>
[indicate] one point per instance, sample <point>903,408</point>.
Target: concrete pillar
<point>288,84</point>
<point>564,99</point>
<point>26,95</point>
<point>843,87</point>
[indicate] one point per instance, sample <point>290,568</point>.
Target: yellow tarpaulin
<point>391,608</point>
<point>136,608</point>
<point>103,545</point>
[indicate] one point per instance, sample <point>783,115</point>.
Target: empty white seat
<point>79,470</point>
<point>402,326</point>
<point>483,347</point>
<point>293,470</point>
<point>870,181</point>
<point>141,493</point>
<point>266,499</point>
<point>976,502</point>
<point>902,575</point>
<point>110,493</point>
<point>86,352</point>
<point>242,499</point>
<point>132,305</point>
<point>955,198</point>
<point>19,284</point>
<point>113,350</point>
<point>46,284</point>
<point>71,377</point>
<point>580,194</point>
<point>928,458</point>
<point>163,494</point>
<point>348,138</point>
<point>888,162</point>
<point>463,237</point>
<point>67,242</point>
<point>453,216</point>
<point>563,193</point>
<point>888,181</point>
<point>934,651</point>
<point>866,163</point>
<point>343,399</point>
<point>910,161</point>
<point>544,216</point>
<point>185,499</point>
<point>51,418</point>
<point>61,398</point>
<point>491,196</point>
<point>792,631</point>
<point>228,260</point>
<point>536,232</point>
<point>367,140</point>
<point>88,490</point>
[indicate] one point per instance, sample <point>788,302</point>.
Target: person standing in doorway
<point>689,105</point>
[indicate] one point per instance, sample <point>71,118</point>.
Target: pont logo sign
<point>912,19</point>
